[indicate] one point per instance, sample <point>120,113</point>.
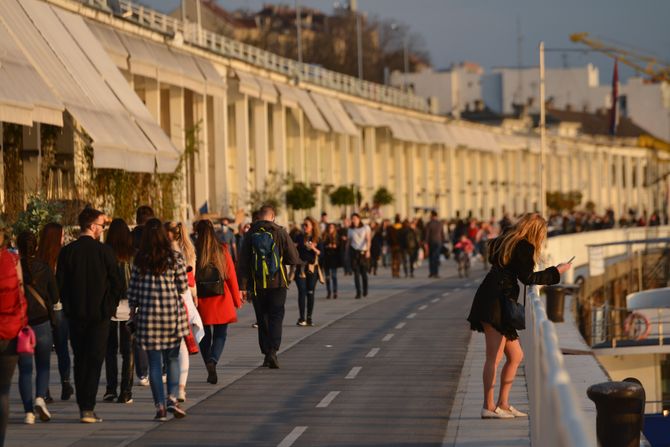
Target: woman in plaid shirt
<point>154,295</point>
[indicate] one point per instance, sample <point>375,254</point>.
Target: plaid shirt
<point>160,318</point>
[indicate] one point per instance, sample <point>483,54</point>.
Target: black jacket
<point>501,283</point>
<point>285,246</point>
<point>38,275</point>
<point>89,281</point>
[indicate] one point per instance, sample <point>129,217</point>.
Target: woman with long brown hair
<point>513,256</point>
<point>120,239</point>
<point>306,276</point>
<point>181,242</point>
<point>49,246</point>
<point>154,293</point>
<point>218,294</point>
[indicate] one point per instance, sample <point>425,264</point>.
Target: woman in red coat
<point>218,294</point>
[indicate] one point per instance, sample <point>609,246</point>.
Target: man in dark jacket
<point>142,215</point>
<point>90,288</point>
<point>269,295</point>
<point>434,240</point>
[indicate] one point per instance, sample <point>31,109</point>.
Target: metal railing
<point>231,48</point>
<point>557,416</point>
<point>610,328</point>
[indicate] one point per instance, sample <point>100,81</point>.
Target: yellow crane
<point>657,70</point>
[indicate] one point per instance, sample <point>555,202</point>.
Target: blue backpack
<point>266,259</point>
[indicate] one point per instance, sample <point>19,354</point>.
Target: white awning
<point>362,115</point>
<point>117,141</point>
<point>268,90</point>
<point>511,142</point>
<point>167,156</point>
<point>288,96</point>
<point>332,110</point>
<point>216,83</point>
<point>192,78</point>
<point>311,111</point>
<point>111,42</point>
<point>141,61</point>
<point>24,97</point>
<point>474,137</point>
<point>248,84</point>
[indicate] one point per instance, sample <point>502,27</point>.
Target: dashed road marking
<point>424,307</point>
<point>445,294</point>
<point>434,300</point>
<point>328,399</point>
<point>387,337</point>
<point>292,437</point>
<point>373,352</point>
<point>400,325</point>
<point>354,372</point>
<point>412,315</point>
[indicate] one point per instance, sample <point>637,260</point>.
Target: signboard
<point>596,261</point>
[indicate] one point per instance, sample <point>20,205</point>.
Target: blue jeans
<point>44,341</point>
<point>306,288</point>
<point>331,277</point>
<point>434,258</point>
<point>61,335</point>
<point>211,347</point>
<point>171,359</point>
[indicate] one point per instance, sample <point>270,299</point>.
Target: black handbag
<point>208,282</point>
<point>513,313</point>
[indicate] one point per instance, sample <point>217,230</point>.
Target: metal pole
<point>359,38</point>
<point>298,25</point>
<point>183,11</point>
<point>543,118</point>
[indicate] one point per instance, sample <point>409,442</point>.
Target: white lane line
<point>424,307</point>
<point>373,352</point>
<point>387,337</point>
<point>445,294</point>
<point>292,437</point>
<point>457,290</point>
<point>400,325</point>
<point>328,399</point>
<point>412,315</point>
<point>434,300</point>
<point>354,372</point>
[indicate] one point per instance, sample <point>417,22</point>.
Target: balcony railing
<point>613,327</point>
<point>231,48</point>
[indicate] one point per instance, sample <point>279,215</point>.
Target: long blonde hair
<point>531,227</point>
<point>182,241</point>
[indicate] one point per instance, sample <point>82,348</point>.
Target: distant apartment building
<point>466,88</point>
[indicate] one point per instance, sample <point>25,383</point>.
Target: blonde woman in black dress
<point>513,256</point>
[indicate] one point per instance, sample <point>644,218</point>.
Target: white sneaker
<point>516,413</point>
<point>144,381</point>
<point>41,410</point>
<point>30,419</point>
<point>498,413</point>
<point>164,378</point>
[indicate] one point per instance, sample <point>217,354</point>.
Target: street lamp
<point>298,25</point>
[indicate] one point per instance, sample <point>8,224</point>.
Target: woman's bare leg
<point>514,355</point>
<point>495,343</point>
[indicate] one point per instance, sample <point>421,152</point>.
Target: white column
<point>370,134</point>
<point>608,182</point>
<point>242,149</point>
<point>300,159</point>
<point>452,182</point>
<point>487,191</point>
<point>201,159</point>
<point>320,145</point>
<point>411,154</point>
<point>219,179</point>
<point>178,137</point>
<point>279,138</point>
<point>345,176</point>
<point>424,176</point>
<point>623,207</point>
<point>261,143</point>
<point>462,172</point>
<point>399,157</point>
<point>628,170</point>
<point>639,182</point>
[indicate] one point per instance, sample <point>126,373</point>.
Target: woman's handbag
<point>25,342</point>
<point>191,343</point>
<point>513,313</point>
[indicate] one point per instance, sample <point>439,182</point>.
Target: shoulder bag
<point>208,282</point>
<point>514,313</point>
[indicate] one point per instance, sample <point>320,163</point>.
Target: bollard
<point>620,407</point>
<point>556,300</point>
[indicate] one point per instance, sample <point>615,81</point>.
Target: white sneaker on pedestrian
<point>164,378</point>
<point>144,381</point>
<point>29,419</point>
<point>516,413</point>
<point>498,413</point>
<point>41,410</point>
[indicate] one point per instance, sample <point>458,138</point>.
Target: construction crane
<point>657,70</point>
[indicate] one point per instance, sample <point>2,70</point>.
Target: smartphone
<point>570,261</point>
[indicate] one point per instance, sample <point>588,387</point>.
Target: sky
<point>486,31</point>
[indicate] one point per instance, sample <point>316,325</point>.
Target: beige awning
<point>192,77</point>
<point>362,115</point>
<point>311,111</point>
<point>216,83</point>
<point>167,155</point>
<point>141,60</point>
<point>248,85</point>
<point>117,141</point>
<point>24,97</point>
<point>287,95</point>
<point>268,90</point>
<point>334,113</point>
<point>473,137</point>
<point>111,42</point>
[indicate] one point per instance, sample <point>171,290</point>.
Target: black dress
<point>501,283</point>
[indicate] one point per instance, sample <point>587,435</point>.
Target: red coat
<point>12,302</point>
<point>221,309</point>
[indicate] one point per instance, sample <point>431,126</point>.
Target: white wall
<point>649,106</point>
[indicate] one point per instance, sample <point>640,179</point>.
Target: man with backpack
<point>266,250</point>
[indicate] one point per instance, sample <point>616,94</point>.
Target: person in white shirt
<point>358,244</point>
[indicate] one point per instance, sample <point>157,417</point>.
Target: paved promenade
<point>396,368</point>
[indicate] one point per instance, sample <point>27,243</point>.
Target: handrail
<point>557,417</point>
<point>235,49</point>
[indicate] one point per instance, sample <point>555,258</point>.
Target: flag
<point>204,209</point>
<point>615,96</point>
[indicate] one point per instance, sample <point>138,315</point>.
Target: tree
<point>343,196</point>
<point>559,201</point>
<point>271,194</point>
<point>301,196</point>
<point>382,197</point>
